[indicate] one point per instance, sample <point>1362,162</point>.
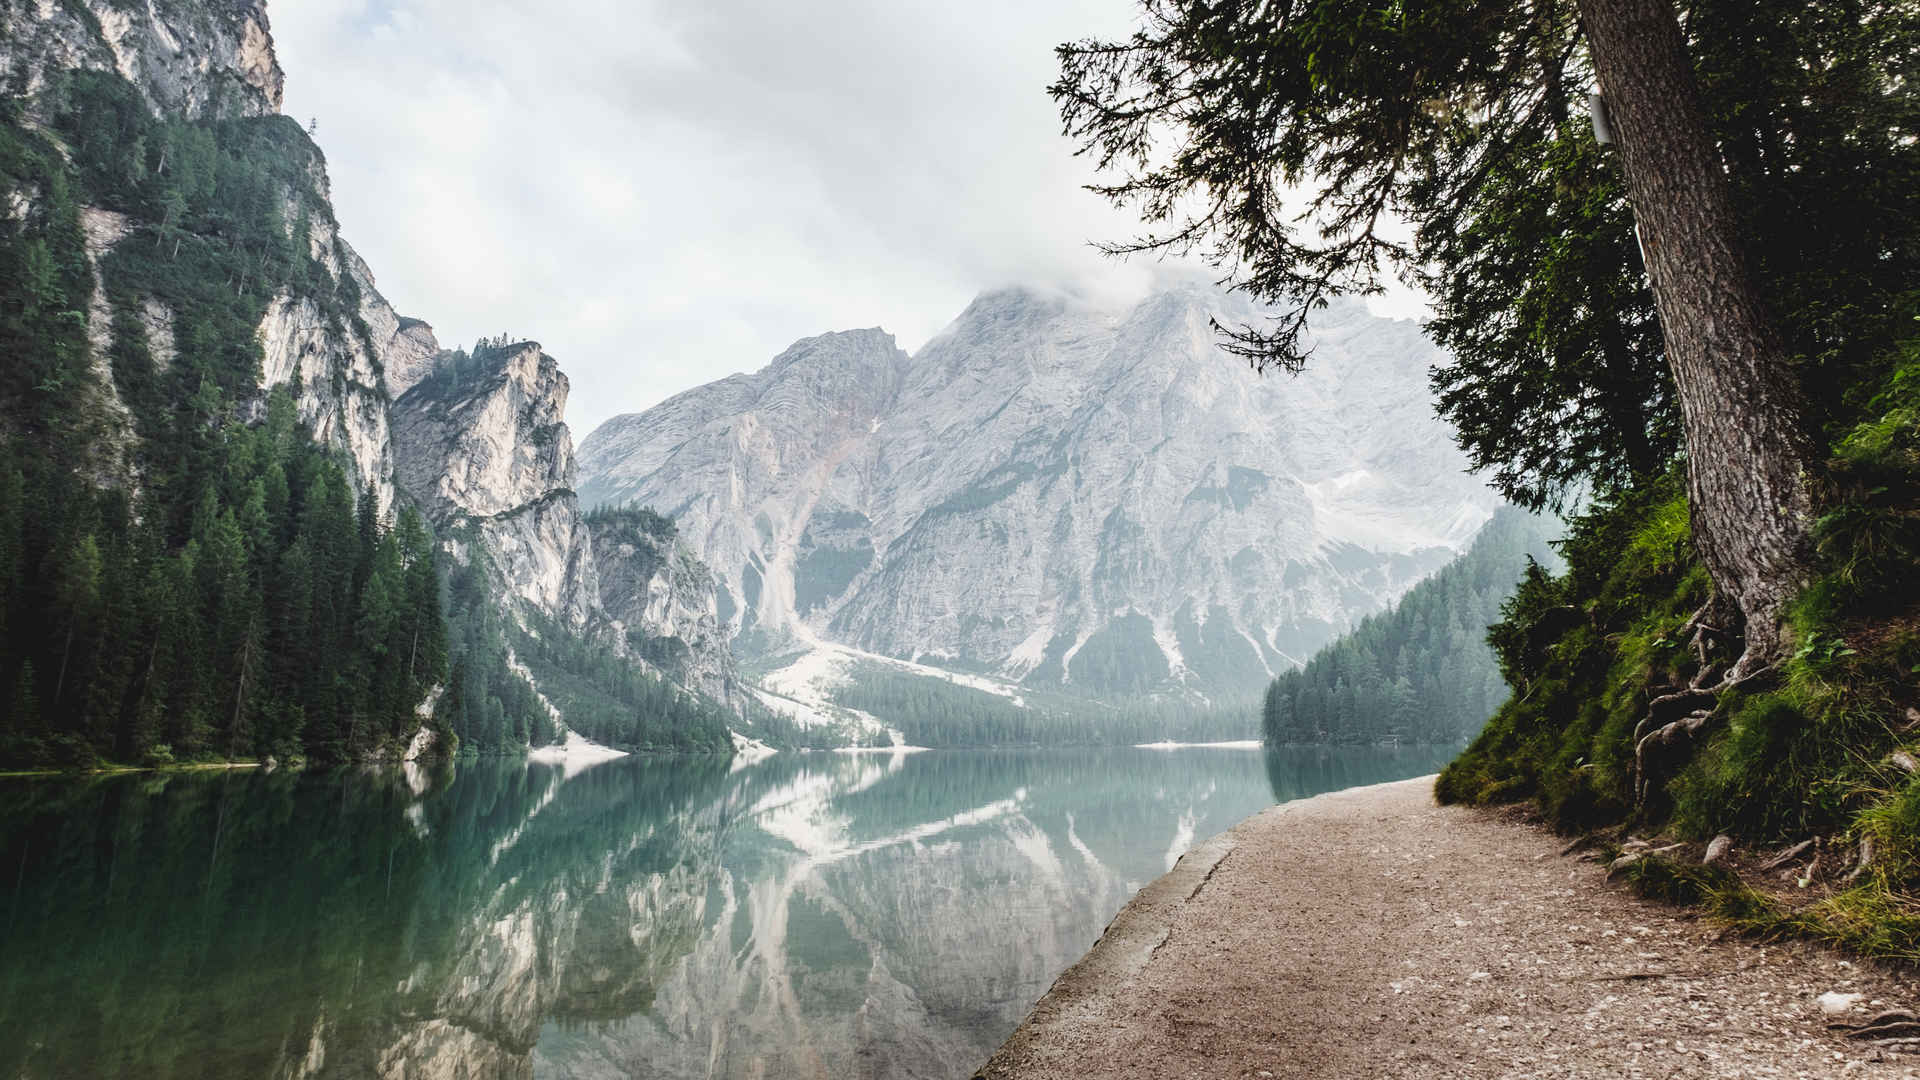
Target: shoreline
<point>1370,932</point>
<point>123,770</point>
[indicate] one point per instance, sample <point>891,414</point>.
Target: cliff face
<point>341,379</point>
<point>215,60</point>
<point>202,60</point>
<point>664,600</point>
<point>1061,492</point>
<point>481,445</point>
<point>741,465</point>
<point>344,374</point>
<point>485,449</point>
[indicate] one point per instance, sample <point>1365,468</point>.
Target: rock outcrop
<point>664,600</point>
<point>336,343</point>
<point>483,449</point>
<point>208,60</point>
<point>742,464</point>
<point>1061,491</point>
<point>344,375</point>
<point>481,445</point>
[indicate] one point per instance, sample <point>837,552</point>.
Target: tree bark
<point>1747,448</point>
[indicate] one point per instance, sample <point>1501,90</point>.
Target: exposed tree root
<point>1749,667</point>
<point>1699,630</point>
<point>1699,618</point>
<point>1892,1024</point>
<point>1665,735</point>
<point>1715,622</point>
<point>1664,745</point>
<point>1623,862</point>
<point>1865,863</point>
<point>1812,872</point>
<point>1786,856</point>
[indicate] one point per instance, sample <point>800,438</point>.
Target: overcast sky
<point>664,192</point>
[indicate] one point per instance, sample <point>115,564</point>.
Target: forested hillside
<point>203,553</point>
<point>931,711</point>
<point>180,574</point>
<point>613,700</point>
<point>1421,672</point>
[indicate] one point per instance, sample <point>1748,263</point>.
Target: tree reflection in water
<point>811,915</point>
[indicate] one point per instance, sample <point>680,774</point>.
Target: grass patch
<point>1868,919</point>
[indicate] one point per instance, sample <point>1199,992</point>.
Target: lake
<point>812,915</point>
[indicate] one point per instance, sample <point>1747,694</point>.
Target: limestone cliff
<point>1060,491</point>
<point>664,599</point>
<point>742,463</point>
<point>483,450</point>
<point>334,341</point>
<point>481,445</point>
<point>208,59</point>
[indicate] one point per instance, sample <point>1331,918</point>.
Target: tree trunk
<point>248,647</point>
<point>1746,446</point>
<point>60,684</point>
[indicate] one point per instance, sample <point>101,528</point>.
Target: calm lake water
<point>816,915</point>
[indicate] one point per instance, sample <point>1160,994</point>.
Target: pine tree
<point>13,493</point>
<point>77,590</point>
<point>24,704</point>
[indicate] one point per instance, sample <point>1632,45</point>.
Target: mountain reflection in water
<point>809,916</point>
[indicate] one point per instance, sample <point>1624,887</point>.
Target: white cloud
<point>667,191</point>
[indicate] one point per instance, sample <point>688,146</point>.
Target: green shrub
<point>1581,651</point>
<point>1801,752</point>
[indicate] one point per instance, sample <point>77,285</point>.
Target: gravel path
<point>1372,933</point>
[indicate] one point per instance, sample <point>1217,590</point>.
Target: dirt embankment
<point>1372,933</point>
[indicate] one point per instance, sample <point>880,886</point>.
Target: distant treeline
<point>1422,671</point>
<point>613,700</point>
<point>931,711</point>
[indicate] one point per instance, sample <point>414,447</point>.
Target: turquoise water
<point>817,915</point>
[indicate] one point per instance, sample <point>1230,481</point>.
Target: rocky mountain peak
<point>410,355</point>
<point>482,445</point>
<point>485,435</point>
<point>1062,489</point>
<point>855,353</point>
